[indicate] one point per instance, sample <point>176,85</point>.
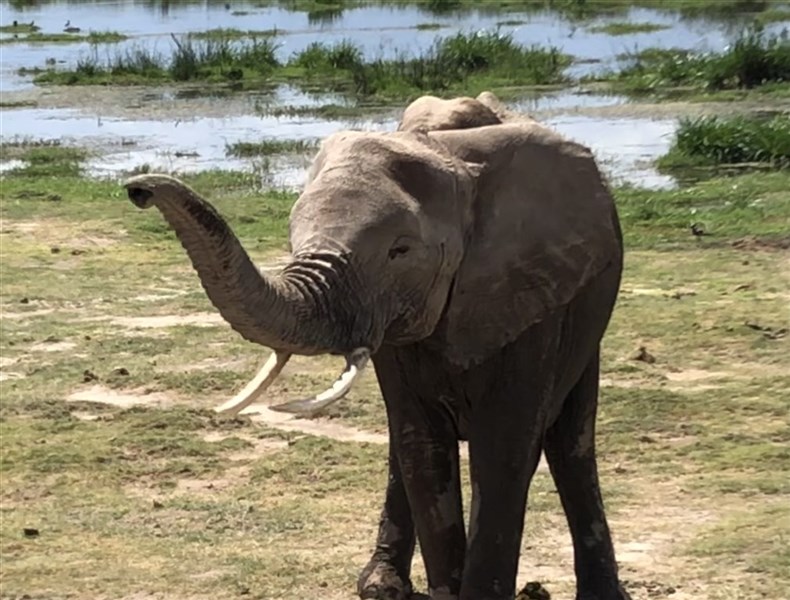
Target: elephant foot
<point>380,581</point>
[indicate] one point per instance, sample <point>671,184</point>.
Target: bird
<point>697,230</point>
<point>71,29</point>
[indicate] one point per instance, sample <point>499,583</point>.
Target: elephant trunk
<point>286,313</point>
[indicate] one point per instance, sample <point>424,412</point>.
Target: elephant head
<point>462,238</point>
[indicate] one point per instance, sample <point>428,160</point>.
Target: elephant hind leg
<point>569,445</point>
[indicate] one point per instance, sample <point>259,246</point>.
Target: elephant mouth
<point>356,361</point>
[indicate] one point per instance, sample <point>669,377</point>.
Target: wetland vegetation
<point>92,37</point>
<point>754,59</point>
<point>743,140</point>
<point>479,60</point>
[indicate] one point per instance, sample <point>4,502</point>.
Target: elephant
<point>476,266</point>
<point>429,113</point>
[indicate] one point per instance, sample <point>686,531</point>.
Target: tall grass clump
<point>456,59</point>
<point>730,141</point>
<point>200,59</point>
<point>753,59</point>
<point>317,57</point>
<point>137,63</point>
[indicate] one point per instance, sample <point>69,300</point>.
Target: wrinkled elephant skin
<point>476,256</point>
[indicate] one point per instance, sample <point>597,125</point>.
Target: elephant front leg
<point>570,450</point>
<point>424,441</point>
<point>387,575</point>
<point>502,466</point>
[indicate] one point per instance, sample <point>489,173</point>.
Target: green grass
<point>270,147</point>
<point>222,33</point>
<point>694,468</point>
<point>730,141</point>
<point>93,37</point>
<point>23,28</point>
<point>774,15</point>
<point>469,61</point>
<point>472,62</point>
<point>573,8</point>
<point>18,104</point>
<point>626,28</point>
<point>753,60</point>
<point>428,26</point>
<point>318,57</point>
<point>729,207</point>
<point>45,160</point>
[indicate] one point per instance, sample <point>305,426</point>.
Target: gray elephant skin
<point>475,255</point>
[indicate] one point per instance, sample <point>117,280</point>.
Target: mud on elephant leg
<point>425,442</point>
<point>386,576</point>
<point>570,450</point>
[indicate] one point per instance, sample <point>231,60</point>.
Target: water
<point>378,30</point>
<point>625,147</point>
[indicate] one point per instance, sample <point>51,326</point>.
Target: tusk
<point>355,363</point>
<point>257,386</point>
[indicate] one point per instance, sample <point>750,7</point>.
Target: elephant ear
<point>544,226</point>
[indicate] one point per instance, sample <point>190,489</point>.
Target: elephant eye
<point>398,250</point>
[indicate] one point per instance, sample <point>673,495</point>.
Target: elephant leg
<point>570,451</point>
<point>387,575</point>
<point>504,451</point>
<point>425,442</point>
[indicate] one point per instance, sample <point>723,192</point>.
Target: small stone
<point>54,250</point>
<point>24,301</point>
<point>77,252</point>
<point>88,376</point>
<point>157,504</point>
<point>122,371</point>
<point>30,532</point>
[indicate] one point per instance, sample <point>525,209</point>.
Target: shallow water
<point>624,147</point>
<point>378,30</point>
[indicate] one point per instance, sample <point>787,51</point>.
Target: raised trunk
<point>288,313</point>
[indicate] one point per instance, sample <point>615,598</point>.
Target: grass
<point>44,159</point>
<point>474,62</point>
<point>23,28</point>
<point>269,147</point>
<point>482,60</point>
<point>714,141</point>
<point>93,37</point>
<point>428,26</point>
<point>753,60</point>
<point>693,447</point>
<point>729,208</point>
<point>18,104</point>
<point>222,33</point>
<point>574,8</point>
<point>626,28</point>
<point>773,15</point>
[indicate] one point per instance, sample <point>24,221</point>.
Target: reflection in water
<point>324,16</point>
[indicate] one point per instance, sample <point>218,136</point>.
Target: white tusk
<point>257,386</point>
<point>355,363</point>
